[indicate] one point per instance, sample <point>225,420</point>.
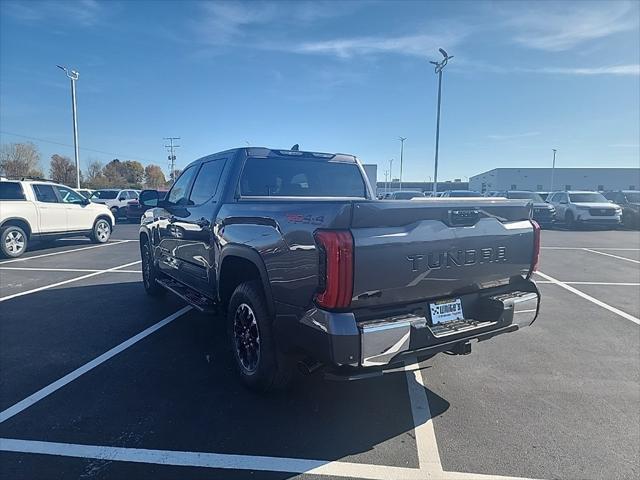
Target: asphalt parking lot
<point>100,381</point>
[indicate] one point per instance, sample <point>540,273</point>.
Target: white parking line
<point>212,460</point>
<point>591,299</point>
<point>597,248</point>
<point>23,259</point>
<point>75,270</point>
<point>605,284</point>
<point>426,444</point>
<point>64,282</point>
<point>236,462</point>
<point>70,377</point>
<point>611,255</point>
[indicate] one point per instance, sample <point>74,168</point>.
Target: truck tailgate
<point>407,251</point>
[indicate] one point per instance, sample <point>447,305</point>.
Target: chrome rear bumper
<point>383,340</point>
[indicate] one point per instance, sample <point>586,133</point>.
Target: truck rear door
<point>407,251</point>
<point>52,213</point>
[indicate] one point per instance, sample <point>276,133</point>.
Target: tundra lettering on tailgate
<point>457,258</point>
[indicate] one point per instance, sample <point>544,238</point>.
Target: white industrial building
<point>371,170</point>
<point>539,179</point>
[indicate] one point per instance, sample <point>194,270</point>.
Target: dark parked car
<point>133,210</point>
<point>544,213</point>
<point>309,269</point>
<point>629,201</point>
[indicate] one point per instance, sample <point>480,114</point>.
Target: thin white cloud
<point>233,22</point>
<point>222,22</point>
<point>84,13</point>
<point>418,45</point>
<point>513,136</point>
<point>633,70</point>
<point>563,26</point>
<point>462,64</point>
<point>251,25</point>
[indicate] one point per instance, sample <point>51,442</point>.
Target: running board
<point>193,298</point>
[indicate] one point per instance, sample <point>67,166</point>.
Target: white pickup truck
<point>31,209</point>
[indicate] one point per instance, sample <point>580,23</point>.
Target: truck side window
<point>206,183</point>
<point>69,196</point>
<point>180,190</point>
<point>11,191</point>
<point>45,193</point>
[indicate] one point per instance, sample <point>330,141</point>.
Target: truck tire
<point>260,365</point>
<point>13,241</point>
<point>149,272</point>
<point>101,231</point>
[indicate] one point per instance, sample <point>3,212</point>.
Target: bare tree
<point>20,159</point>
<point>62,170</point>
<point>95,175</point>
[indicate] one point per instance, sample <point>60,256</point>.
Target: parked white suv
<point>31,209</point>
<point>114,198</point>
<point>583,207</point>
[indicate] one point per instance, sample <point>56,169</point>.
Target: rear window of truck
<point>105,194</point>
<point>291,177</point>
<point>11,191</point>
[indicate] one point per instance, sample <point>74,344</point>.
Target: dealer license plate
<point>446,311</point>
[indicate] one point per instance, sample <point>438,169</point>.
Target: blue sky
<point>332,76</point>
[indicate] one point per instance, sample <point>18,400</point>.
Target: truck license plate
<point>446,311</point>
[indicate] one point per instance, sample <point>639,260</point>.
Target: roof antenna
<point>295,148</point>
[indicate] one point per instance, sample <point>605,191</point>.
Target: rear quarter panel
<point>20,209</point>
<point>281,231</point>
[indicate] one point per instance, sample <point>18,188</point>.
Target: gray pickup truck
<point>312,271</point>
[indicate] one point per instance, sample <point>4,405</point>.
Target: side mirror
<point>85,201</point>
<point>610,201</point>
<point>149,198</point>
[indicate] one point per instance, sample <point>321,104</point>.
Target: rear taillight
<point>335,249</point>
<point>536,248</point>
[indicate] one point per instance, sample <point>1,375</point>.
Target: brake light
<point>335,249</point>
<point>536,248</point>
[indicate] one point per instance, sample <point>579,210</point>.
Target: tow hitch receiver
<point>462,348</point>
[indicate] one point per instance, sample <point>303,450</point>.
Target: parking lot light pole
<point>402,139</point>
<point>553,168</point>
<point>391,173</point>
<point>73,76</point>
<point>439,66</point>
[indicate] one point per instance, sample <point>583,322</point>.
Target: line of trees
<point>23,160</point>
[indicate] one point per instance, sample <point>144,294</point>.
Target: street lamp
<point>391,173</point>
<point>73,76</point>
<point>439,66</point>
<point>402,139</point>
<point>553,167</point>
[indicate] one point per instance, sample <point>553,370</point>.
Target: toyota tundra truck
<point>310,270</point>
